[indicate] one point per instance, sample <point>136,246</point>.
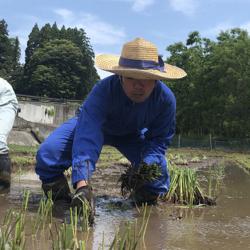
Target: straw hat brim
<point>111,63</point>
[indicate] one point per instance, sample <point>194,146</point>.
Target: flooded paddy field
<point>224,226</point>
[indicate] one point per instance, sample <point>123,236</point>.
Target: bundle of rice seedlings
<point>136,177</point>
<point>185,189</point>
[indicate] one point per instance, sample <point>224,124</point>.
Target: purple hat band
<point>142,64</point>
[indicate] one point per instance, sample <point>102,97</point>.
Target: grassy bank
<point>241,159</point>
<point>24,157</point>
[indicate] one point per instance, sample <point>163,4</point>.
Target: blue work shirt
<point>108,111</point>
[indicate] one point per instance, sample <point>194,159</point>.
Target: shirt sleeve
<point>160,133</point>
<point>7,95</point>
<point>88,139</point>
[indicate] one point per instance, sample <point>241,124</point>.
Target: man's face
<point>138,90</point>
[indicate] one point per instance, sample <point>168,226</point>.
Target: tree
<point>16,69</point>
<point>56,71</point>
<point>230,76</point>
<point>5,51</point>
<point>214,97</point>
<point>190,97</point>
<point>74,56</point>
<point>33,43</point>
<point>10,68</point>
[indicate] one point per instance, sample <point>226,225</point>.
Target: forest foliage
<point>214,98</point>
<point>59,62</point>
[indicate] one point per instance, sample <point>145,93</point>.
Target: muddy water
<point>225,226</point>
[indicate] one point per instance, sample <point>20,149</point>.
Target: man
<point>8,110</point>
<point>132,110</point>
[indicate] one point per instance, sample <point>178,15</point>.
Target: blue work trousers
<point>55,155</point>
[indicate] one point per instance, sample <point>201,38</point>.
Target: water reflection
<point>225,226</point>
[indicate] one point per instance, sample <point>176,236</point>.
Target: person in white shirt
<point>8,110</point>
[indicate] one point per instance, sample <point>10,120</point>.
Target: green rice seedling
<point>146,214</point>
<point>214,179</point>
<point>242,160</point>
<point>136,177</point>
<point>67,236</point>
<point>176,159</point>
<point>195,159</point>
<point>5,230</point>
<point>181,161</point>
<point>18,223</point>
<point>18,241</point>
<point>185,188</point>
<point>44,213</point>
<point>204,157</point>
<point>220,174</point>
<point>19,237</point>
<point>84,216</point>
<point>210,182</point>
<point>133,236</point>
<point>12,235</point>
<point>26,196</point>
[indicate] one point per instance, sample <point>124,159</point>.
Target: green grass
<point>15,149</point>
<point>22,158</point>
<point>240,158</point>
<point>23,161</point>
<point>110,156</point>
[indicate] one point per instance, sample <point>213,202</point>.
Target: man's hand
<point>135,178</point>
<point>81,183</point>
<point>84,199</point>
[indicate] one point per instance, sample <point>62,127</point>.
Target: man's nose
<point>138,84</point>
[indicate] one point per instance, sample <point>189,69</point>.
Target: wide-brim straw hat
<point>140,60</point>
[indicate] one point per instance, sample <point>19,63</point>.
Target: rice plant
<point>136,177</point>
<point>185,188</point>
<point>133,235</point>
<point>85,216</point>
<point>195,159</point>
<point>5,231</point>
<point>178,159</point>
<point>44,213</point>
<point>12,234</point>
<point>214,179</point>
<point>67,235</point>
